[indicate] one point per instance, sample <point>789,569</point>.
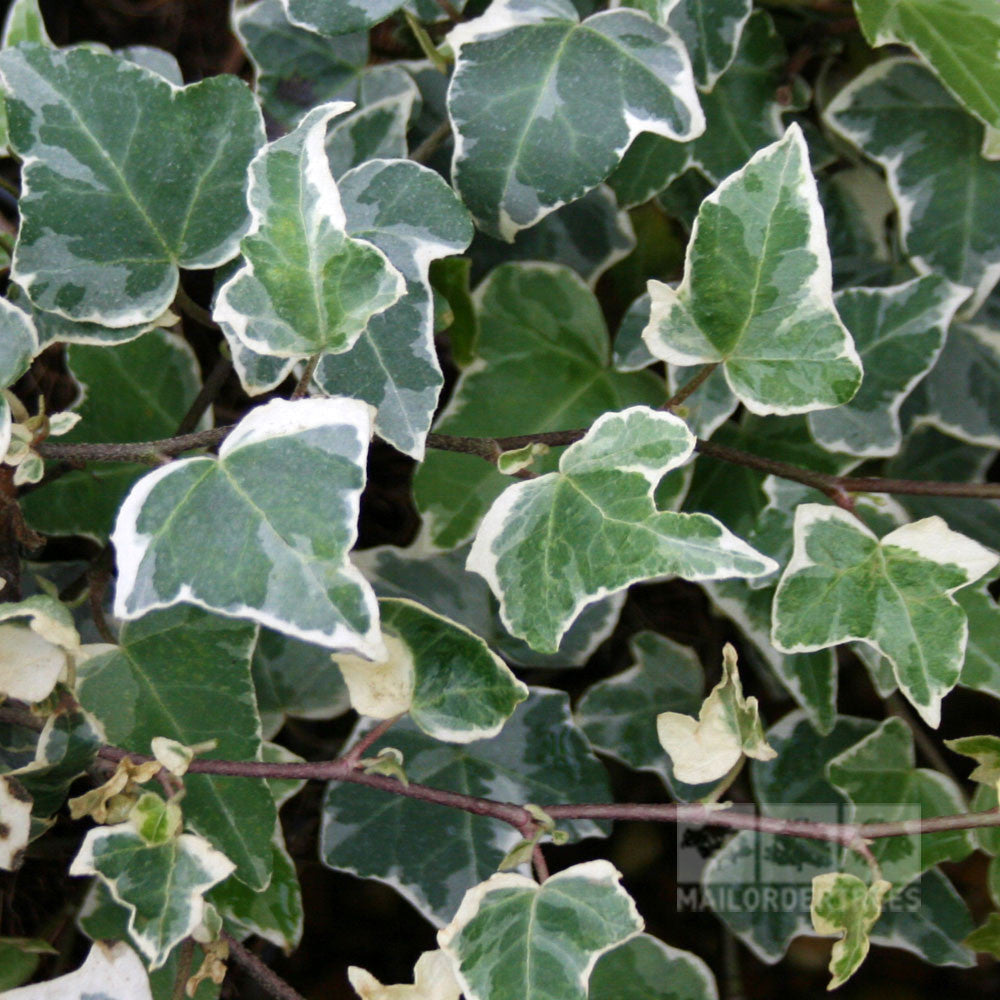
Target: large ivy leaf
<point>544,365</point>
<point>163,884</point>
<point>898,114</point>
<point>894,594</point>
<point>305,285</point>
<point>711,31</point>
<point>453,687</point>
<point>552,934</point>
<point>137,391</point>
<point>413,217</point>
<point>899,333</point>
<point>153,684</point>
<point>338,17</point>
<point>126,178</point>
<point>756,295</point>
<point>644,968</point>
<point>958,39</point>
<point>112,971</point>
<point>430,855</point>
<point>263,531</point>
<point>543,106</point>
<point>603,491</point>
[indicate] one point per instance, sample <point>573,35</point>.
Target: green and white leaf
<point>604,490</point>
<point>410,214</point>
<point>24,23</point>
<point>756,295</point>
<point>522,101</point>
<point>899,333</point>
<point>843,905</point>
<point>305,286</point>
<point>710,30</point>
<point>981,669</point>
<point>338,17</point>
<point>985,751</point>
<point>543,365</point>
<point>18,342</point>
<point>15,822</point>
<point>111,971</point>
<point>116,197</point>
<point>263,531</point>
<point>453,687</point>
<point>552,934</point>
<point>894,594</point>
<point>644,968</point>
<point>431,856</point>
<point>153,684</point>
<point>163,885</point>
<point>898,114</point>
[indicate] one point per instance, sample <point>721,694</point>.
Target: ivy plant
<point>470,404</point>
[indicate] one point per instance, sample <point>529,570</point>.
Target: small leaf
<point>727,727</point>
<point>985,751</point>
<point>603,490</point>
<point>18,342</point>
<point>756,295</point>
<point>19,958</point>
<point>986,938</point>
<point>844,905</point>
<point>644,968</point>
<point>24,24</point>
<point>553,933</point>
<point>711,31</point>
<point>433,979</point>
<point>894,594</point>
<point>112,971</point>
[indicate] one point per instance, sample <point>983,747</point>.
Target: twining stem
<point>302,386</point>
<point>429,146</point>
<point>188,307</point>
<point>207,394</point>
<point>690,386</point>
<point>250,963</point>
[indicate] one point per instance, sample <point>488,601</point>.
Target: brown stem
<point>265,978</point>
<point>539,864</point>
<point>429,146</point>
<point>149,452</point>
<point>374,734</point>
<point>302,386</point>
<point>207,394</point>
<point>188,307</point>
<point>690,386</point>
<point>183,969</point>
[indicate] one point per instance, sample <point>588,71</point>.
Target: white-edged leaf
<point>24,23</point>
<point>15,822</point>
<point>710,29</point>
<point>433,979</point>
<point>112,971</point>
<point>337,17</point>
<point>644,968</point>
<point>18,342</point>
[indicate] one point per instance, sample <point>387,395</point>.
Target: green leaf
<point>843,905</point>
<point>19,957</point>
<point>958,39</point>
<point>260,533</point>
<point>18,343</point>
<point>431,855</point>
<point>116,195</point>
<point>112,971</point>
<point>544,366</point>
<point>894,594</point>
<point>604,489</point>
<point>24,23</point>
<point>981,668</point>
<point>897,114</point>
<point>443,675</point>
<point>644,968</point>
<point>728,726</point>
<point>162,885</point>
<point>137,391</point>
<point>338,17</point>
<point>543,106</point>
<point>756,295</point>
<point>552,934</point>
<point>985,751</point>
<point>899,333</point>
<point>295,68</point>
<point>987,937</point>
<point>153,684</point>
<point>413,217</point>
<point>305,285</point>
<point>711,30</point>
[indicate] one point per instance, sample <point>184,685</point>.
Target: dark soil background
<point>354,922</point>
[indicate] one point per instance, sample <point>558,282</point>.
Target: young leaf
<point>987,937</point>
<point>894,594</point>
<point>112,971</point>
<point>756,295</point>
<point>603,490</point>
<point>35,655</point>
<point>433,979</point>
<point>553,933</point>
<point>263,531</point>
<point>453,687</point>
<point>24,23</point>
<point>842,904</point>
<point>543,106</point>
<point>985,751</point>
<point>163,885</point>
<point>727,727</point>
<point>305,285</point>
<point>116,195</point>
<point>644,968</point>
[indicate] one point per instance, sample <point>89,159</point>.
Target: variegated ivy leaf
<point>553,933</point>
<point>899,333</point>
<point>711,30</point>
<point>453,687</point>
<point>433,979</point>
<point>37,653</point>
<point>543,365</point>
<point>153,684</point>
<point>162,883</point>
<point>15,822</point>
<point>958,40</point>
<point>305,286</point>
<point>522,100</point>
<point>24,23</point>
<point>116,195</point>
<point>843,905</point>
<point>894,594</point>
<point>263,531</point>
<point>898,114</point>
<point>756,295</point>
<point>18,342</point>
<point>728,726</point>
<point>410,214</point>
<point>644,968</point>
<point>526,549</point>
<point>985,751</point>
<point>338,17</point>
<point>981,669</point>
<point>112,971</point>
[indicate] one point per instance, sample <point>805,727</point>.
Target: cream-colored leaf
<point>15,822</point>
<point>30,665</point>
<point>112,971</point>
<point>380,689</point>
<point>434,979</point>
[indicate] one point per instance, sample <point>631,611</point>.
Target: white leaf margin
<point>111,971</point>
